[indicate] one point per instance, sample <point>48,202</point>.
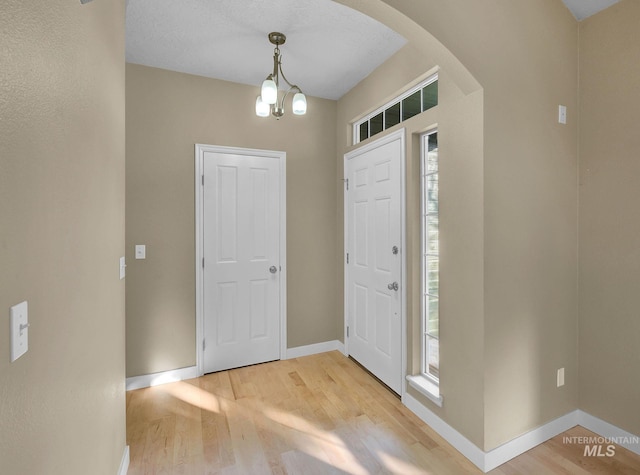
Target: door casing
<point>200,150</point>
<point>398,135</point>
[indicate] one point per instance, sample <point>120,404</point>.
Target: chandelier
<point>267,102</point>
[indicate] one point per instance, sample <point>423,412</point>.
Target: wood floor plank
<point>320,414</point>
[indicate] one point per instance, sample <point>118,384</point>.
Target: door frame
<point>200,150</point>
<point>392,137</point>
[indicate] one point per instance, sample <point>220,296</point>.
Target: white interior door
<point>241,247</point>
<point>374,245</point>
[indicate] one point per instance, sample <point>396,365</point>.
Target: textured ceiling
<point>329,48</point>
<point>582,9</point>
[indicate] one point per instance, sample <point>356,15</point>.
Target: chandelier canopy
<point>268,102</point>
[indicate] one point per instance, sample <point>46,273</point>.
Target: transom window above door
<point>410,103</point>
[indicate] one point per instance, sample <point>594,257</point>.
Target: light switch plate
<point>560,377</point>
<point>19,316</point>
<point>141,251</point>
<point>123,267</point>
<point>562,114</point>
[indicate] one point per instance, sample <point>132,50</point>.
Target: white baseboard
<point>529,440</point>
<point>448,433</point>
<point>604,429</point>
<point>314,349</point>
<point>148,380</point>
<point>124,463</point>
<point>487,461</point>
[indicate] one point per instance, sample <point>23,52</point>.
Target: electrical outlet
<point>560,377</point>
<point>141,251</point>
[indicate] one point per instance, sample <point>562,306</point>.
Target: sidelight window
<point>430,258</point>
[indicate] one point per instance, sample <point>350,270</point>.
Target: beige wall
<point>523,310</point>
<point>610,216</point>
<point>62,405</point>
<point>510,270</point>
<point>167,113</point>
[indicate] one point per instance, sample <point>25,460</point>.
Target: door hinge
<point>202,180</point>
<point>347,257</point>
<point>203,344</point>
<point>203,262</point>
<point>347,331</point>
<point>346,180</point>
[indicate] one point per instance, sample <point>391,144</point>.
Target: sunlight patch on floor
<point>193,395</point>
<point>396,465</point>
<point>320,444</point>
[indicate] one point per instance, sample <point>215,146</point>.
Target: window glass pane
<point>432,160</point>
<point>432,241</point>
<point>430,96</point>
<point>432,285</point>
<point>432,154</point>
<point>432,193</point>
<point>411,106</point>
<point>364,130</point>
<point>392,116</point>
<point>375,126</point>
<point>432,352</point>
<point>433,147</point>
<point>432,317</point>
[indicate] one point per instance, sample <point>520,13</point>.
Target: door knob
<point>273,269</point>
<point>393,286</point>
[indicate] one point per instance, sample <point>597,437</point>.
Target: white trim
<point>605,429</point>
<point>529,440</point>
<point>199,217</point>
<point>399,134</point>
<point>314,349</point>
<point>124,462</point>
<point>430,383</point>
<point>426,387</point>
<point>455,438</point>
<point>403,257</point>
<point>487,461</point>
<point>200,149</point>
<point>155,379</point>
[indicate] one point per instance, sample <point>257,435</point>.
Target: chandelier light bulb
<point>299,105</point>
<point>262,108</point>
<point>269,91</point>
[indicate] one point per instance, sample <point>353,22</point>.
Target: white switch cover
<point>19,330</point>
<point>123,266</point>
<point>562,114</point>
<point>560,377</point>
<point>141,251</point>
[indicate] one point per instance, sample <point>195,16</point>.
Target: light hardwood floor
<point>318,414</point>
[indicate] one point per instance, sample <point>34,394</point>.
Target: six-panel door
<point>241,260</point>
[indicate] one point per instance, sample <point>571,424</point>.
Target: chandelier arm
<point>291,86</point>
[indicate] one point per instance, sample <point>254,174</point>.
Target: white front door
<point>373,228</point>
<point>241,246</point>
